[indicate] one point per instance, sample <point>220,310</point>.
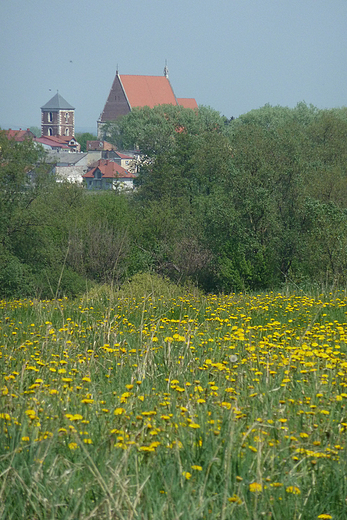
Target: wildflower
<point>236,499</point>
<point>119,411</point>
<point>293,489</point>
<point>197,468</point>
<point>255,487</point>
<point>324,516</point>
<point>73,446</point>
<point>186,474</point>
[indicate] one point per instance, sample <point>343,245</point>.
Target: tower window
<point>50,117</point>
<point>66,131</point>
<point>66,118</point>
<point>50,131</point>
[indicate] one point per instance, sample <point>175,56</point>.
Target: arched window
<point>66,118</point>
<point>66,131</point>
<point>50,131</point>
<point>50,117</point>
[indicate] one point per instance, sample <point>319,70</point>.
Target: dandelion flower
<point>293,489</point>
<point>255,487</point>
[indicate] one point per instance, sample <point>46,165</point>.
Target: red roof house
<point>55,142</point>
<point>20,135</point>
<point>108,175</point>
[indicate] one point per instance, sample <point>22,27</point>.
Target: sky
<point>231,55</point>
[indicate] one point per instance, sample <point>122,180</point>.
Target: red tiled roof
<point>19,135</point>
<point>100,145</point>
<point>109,170</point>
<point>187,102</point>
<point>148,90</point>
<point>51,141</point>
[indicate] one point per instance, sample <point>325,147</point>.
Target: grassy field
<point>174,407</point>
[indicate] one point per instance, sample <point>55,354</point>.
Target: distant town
<point>99,165</point>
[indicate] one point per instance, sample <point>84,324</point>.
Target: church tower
<point>57,117</point>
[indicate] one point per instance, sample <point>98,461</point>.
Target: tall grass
<point>151,404</point>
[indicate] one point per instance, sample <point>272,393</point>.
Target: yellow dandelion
<point>119,411</point>
<point>293,489</point>
<point>236,499</point>
<point>255,487</point>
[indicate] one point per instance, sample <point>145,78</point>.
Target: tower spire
<point>166,70</point>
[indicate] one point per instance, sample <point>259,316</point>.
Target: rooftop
<point>57,103</point>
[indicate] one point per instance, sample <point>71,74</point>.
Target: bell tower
<point>58,118</point>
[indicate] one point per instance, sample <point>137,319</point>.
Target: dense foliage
<point>249,203</point>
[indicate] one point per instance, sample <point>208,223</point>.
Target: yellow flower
<point>197,468</point>
<point>235,499</point>
<point>324,516</point>
<point>254,487</point>
<point>119,411</point>
<point>186,474</point>
<point>73,446</point>
<point>293,489</point>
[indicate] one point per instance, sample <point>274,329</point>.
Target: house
<point>108,175</point>
<point>129,91</point>
<point>57,117</point>
<point>20,135</point>
<point>104,150</point>
<point>68,166</point>
<point>64,143</point>
<point>93,146</point>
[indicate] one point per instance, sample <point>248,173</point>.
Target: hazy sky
<point>233,55</point>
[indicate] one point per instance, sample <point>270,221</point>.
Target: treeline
<point>244,204</point>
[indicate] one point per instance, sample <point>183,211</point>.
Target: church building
<point>129,91</point>
<point>57,118</point>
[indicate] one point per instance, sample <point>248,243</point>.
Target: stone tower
<point>58,117</point>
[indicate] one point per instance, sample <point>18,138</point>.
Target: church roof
<point>187,102</point>
<point>148,90</point>
<point>57,103</point>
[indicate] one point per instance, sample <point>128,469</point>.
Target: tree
<point>24,177</point>
<point>152,130</point>
<point>35,130</point>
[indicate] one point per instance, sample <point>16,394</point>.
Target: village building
<point>20,135</point>
<point>68,166</point>
<point>108,175</point>
<point>129,91</point>
<point>57,143</point>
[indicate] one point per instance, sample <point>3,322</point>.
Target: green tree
<point>35,130</point>
<point>153,130</point>
<point>24,178</point>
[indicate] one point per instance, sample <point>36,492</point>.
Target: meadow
<point>174,406</point>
